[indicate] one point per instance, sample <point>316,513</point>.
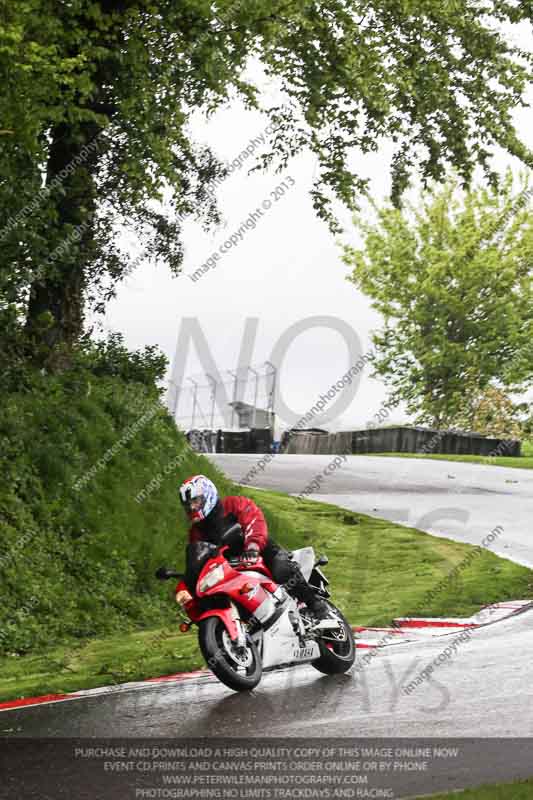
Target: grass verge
<point>522,462</point>
<point>518,790</point>
<point>378,570</point>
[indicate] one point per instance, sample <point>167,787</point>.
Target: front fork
<point>229,616</point>
<point>240,641</point>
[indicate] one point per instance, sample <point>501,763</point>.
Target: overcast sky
<point>284,271</point>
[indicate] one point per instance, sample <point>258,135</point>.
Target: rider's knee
<point>281,569</point>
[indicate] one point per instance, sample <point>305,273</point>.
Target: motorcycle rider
<point>211,516</point>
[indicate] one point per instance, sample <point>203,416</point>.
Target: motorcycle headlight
<point>213,577</point>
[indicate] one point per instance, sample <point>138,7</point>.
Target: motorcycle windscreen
<point>305,558</point>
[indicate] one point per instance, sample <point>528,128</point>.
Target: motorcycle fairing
<point>233,585</point>
<point>281,645</point>
<point>226,615</point>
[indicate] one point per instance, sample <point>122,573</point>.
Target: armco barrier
<point>401,439</point>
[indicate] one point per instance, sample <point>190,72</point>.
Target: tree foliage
<point>453,279</point>
<point>493,413</point>
<point>438,78</point>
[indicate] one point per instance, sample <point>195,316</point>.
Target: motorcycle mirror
<point>322,561</point>
<point>233,537</point>
<point>164,574</point>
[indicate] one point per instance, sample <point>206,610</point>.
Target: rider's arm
<point>194,535</point>
<point>251,519</point>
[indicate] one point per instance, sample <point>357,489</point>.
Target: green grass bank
<point>90,462</point>
<point>378,570</point>
<point>525,461</point>
<point>517,790</point>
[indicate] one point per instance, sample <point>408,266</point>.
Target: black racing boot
<point>299,588</point>
<point>306,594</point>
<point>318,608</point>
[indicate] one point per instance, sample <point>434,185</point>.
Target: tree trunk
<point>56,306</point>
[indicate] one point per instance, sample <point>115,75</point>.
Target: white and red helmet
<point>198,496</point>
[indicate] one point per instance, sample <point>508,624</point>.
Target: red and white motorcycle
<point>248,623</point>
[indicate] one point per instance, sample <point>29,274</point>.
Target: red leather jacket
<point>248,515</point>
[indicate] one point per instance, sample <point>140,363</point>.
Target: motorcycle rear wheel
<point>337,653</point>
<point>240,672</point>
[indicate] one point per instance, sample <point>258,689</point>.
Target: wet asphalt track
<point>460,501</point>
<point>484,690</point>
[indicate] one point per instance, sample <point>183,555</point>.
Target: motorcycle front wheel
<point>240,670</point>
<point>337,647</point>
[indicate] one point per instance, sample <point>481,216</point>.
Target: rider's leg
<point>286,571</point>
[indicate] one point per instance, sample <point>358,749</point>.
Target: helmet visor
<point>194,507</point>
<point>196,503</point>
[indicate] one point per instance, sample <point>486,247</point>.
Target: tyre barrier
<point>256,440</point>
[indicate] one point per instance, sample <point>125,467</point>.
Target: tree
<point>493,413</point>
<point>453,279</point>
<point>97,96</point>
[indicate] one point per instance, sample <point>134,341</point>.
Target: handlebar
<point>164,574</point>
